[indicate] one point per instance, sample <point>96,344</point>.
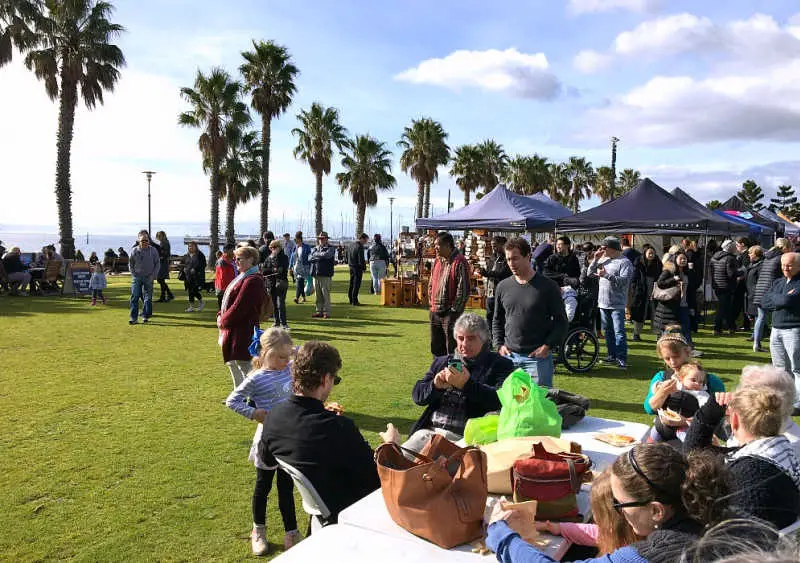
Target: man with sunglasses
<point>144,263</point>
<point>322,263</point>
<point>323,445</point>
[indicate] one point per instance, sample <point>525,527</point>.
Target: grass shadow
<point>373,423</point>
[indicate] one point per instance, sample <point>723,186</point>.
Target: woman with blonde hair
<point>240,313</point>
<point>764,467</point>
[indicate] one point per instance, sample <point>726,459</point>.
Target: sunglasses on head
<point>337,380</point>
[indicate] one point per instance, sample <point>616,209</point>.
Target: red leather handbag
<point>552,479</point>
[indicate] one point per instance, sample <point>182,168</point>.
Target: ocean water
<point>33,242</point>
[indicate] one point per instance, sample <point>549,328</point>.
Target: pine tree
<point>784,200</point>
<point>751,195</point>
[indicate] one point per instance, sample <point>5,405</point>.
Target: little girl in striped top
<point>268,385</point>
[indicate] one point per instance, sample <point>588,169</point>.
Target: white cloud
<point>509,71</point>
<point>757,40</point>
<point>592,6</point>
<point>589,61</point>
<point>671,111</point>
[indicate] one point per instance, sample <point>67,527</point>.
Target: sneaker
<point>316,316</point>
<point>132,322</point>
<point>201,306</point>
<point>291,539</point>
<point>296,300</point>
<point>191,309</point>
<point>609,360</point>
<point>286,328</point>
<point>258,540</point>
<point>622,364</point>
<point>696,354</point>
<point>758,349</point>
<point>326,316</point>
<point>637,338</point>
<point>145,320</point>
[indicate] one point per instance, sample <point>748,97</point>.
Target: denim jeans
<point>540,369</point>
<point>758,327</point>
<point>612,322</point>
<point>686,324</point>
<point>141,288</point>
<point>377,269</point>
<point>279,301</point>
<point>784,347</point>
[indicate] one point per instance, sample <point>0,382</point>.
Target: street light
<point>391,222</point>
<point>149,174</point>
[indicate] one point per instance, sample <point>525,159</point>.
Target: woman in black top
<point>194,276</point>
<point>652,268</point>
<point>164,253</point>
<point>275,271</point>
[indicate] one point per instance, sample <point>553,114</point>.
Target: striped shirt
<point>449,285</point>
<point>266,388</point>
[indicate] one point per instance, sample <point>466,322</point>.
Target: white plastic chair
<point>313,504</point>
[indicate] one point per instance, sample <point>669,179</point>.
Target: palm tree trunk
<point>427,200</point>
<point>214,223</point>
<point>420,200</point>
<point>318,203</point>
<point>466,197</point>
<point>230,229</point>
<point>66,123</point>
<point>361,212</point>
<point>266,138</point>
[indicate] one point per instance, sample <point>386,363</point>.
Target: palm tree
<point>581,176</point>
<point>466,169</point>
<point>493,164</point>
<point>240,173</point>
<point>216,105</point>
<point>629,179</point>
<point>604,184</point>
<point>560,184</point>
<point>15,31</point>
<point>424,150</point>
<point>269,76</point>
<point>320,132</point>
<point>527,174</point>
<point>68,46</point>
<point>367,167</point>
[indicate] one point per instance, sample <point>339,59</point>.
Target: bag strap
<point>574,482</point>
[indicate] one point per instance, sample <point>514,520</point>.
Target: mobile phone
<point>455,364</point>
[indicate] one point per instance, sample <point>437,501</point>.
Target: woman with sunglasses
<point>240,313</point>
<point>667,499</point>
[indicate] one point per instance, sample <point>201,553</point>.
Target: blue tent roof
<point>730,226</point>
<point>558,209</point>
<point>789,228</point>
<point>754,227</point>
<point>500,210</point>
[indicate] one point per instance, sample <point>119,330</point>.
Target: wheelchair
<point>580,350</point>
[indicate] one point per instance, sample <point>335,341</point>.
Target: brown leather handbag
<point>441,497</point>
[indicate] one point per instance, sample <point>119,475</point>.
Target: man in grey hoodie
<point>143,264</point>
<point>614,272</point>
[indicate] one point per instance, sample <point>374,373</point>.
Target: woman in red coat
<point>240,313</point>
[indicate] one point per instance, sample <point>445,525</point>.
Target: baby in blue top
<point>268,385</point>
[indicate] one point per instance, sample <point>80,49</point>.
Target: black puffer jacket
<point>751,281</point>
<point>770,271</point>
<point>724,270</point>
<point>667,312</point>
<point>564,270</point>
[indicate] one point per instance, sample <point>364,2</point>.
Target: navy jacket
<point>487,371</point>
<point>783,298</point>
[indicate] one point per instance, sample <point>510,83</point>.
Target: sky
<point>702,95</point>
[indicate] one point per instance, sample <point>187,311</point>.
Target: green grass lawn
<point>114,443</point>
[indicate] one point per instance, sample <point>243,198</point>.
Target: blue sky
<point>702,94</point>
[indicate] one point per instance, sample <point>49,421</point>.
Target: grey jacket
<point>144,262</point>
<point>614,283</point>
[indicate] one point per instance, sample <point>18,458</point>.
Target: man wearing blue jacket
<point>783,299</point>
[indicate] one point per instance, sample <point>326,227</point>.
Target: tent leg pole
<point>705,262</point>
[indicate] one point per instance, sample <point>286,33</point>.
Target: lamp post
<point>391,220</point>
<point>149,174</point>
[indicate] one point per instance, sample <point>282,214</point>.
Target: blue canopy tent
<point>789,228</point>
<point>499,210</point>
<point>731,227</point>
<point>557,208</point>
<point>647,209</point>
<point>752,226</point>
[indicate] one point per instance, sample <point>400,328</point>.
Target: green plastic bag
<point>482,430</point>
<point>526,409</point>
